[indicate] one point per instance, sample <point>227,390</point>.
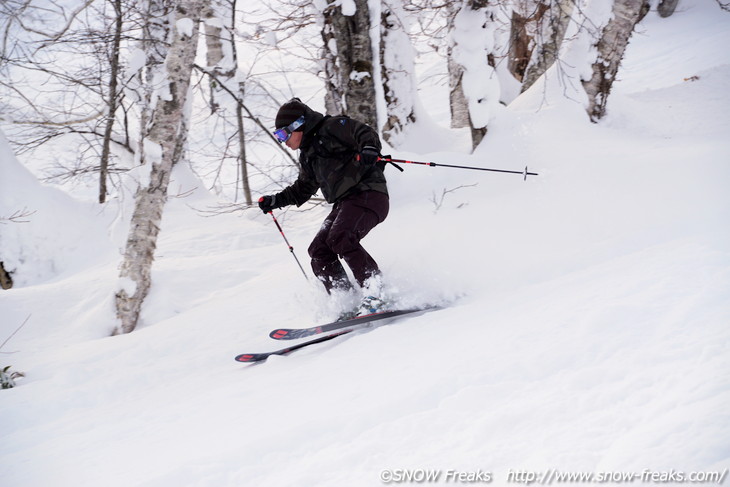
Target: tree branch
<point>56,36</point>
<point>242,105</point>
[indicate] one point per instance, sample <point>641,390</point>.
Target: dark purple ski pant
<point>349,221</point>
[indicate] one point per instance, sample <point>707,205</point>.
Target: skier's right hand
<point>267,203</point>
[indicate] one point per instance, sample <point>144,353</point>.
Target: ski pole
<point>434,164</point>
<point>291,249</point>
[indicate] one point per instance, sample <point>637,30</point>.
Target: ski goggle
<point>283,134</point>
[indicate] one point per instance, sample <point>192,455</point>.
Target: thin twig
<point>18,217</point>
<point>16,331</point>
<point>439,202</point>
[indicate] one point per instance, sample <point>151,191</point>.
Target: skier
<point>340,157</point>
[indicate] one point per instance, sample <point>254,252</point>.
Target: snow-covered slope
<point>586,327</point>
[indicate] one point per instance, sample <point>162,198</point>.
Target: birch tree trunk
<point>397,68</point>
<point>610,51</point>
<point>334,86</point>
<point>165,140</point>
<point>355,59</point>
<point>213,29</point>
<point>472,79</point>
<point>220,49</point>
<point>241,87</point>
<point>457,101</point>
<point>156,37</point>
<point>550,34</point>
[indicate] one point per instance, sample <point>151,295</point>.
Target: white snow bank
<point>58,234</point>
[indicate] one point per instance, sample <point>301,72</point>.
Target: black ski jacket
<point>328,161</point>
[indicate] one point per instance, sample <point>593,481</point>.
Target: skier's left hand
<point>267,203</point>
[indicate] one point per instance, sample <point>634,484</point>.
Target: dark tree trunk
<point>520,48</point>
<point>111,102</point>
<point>355,60</point>
<point>666,7</point>
<point>6,282</point>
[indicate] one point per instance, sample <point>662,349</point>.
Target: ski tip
<point>293,333</point>
<point>279,334</point>
<point>250,357</point>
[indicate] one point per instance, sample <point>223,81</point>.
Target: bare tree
<point>59,67</point>
<point>526,15</point>
<point>166,140</point>
<point>355,58</point>
<point>397,73</point>
<point>549,33</point>
<point>611,45</point>
<point>457,100</point>
<point>154,19</point>
<point>112,98</point>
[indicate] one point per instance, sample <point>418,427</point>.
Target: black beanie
<point>289,112</point>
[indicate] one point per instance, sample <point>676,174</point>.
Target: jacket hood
<point>312,121</point>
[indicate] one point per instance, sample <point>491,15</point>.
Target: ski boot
<point>370,305</point>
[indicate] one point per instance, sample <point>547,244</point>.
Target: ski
<point>258,357</point>
<point>338,328</point>
<point>294,333</point>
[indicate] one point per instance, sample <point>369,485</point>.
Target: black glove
<point>369,155</point>
<point>267,203</point>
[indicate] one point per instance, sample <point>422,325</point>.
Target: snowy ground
<point>587,327</point>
